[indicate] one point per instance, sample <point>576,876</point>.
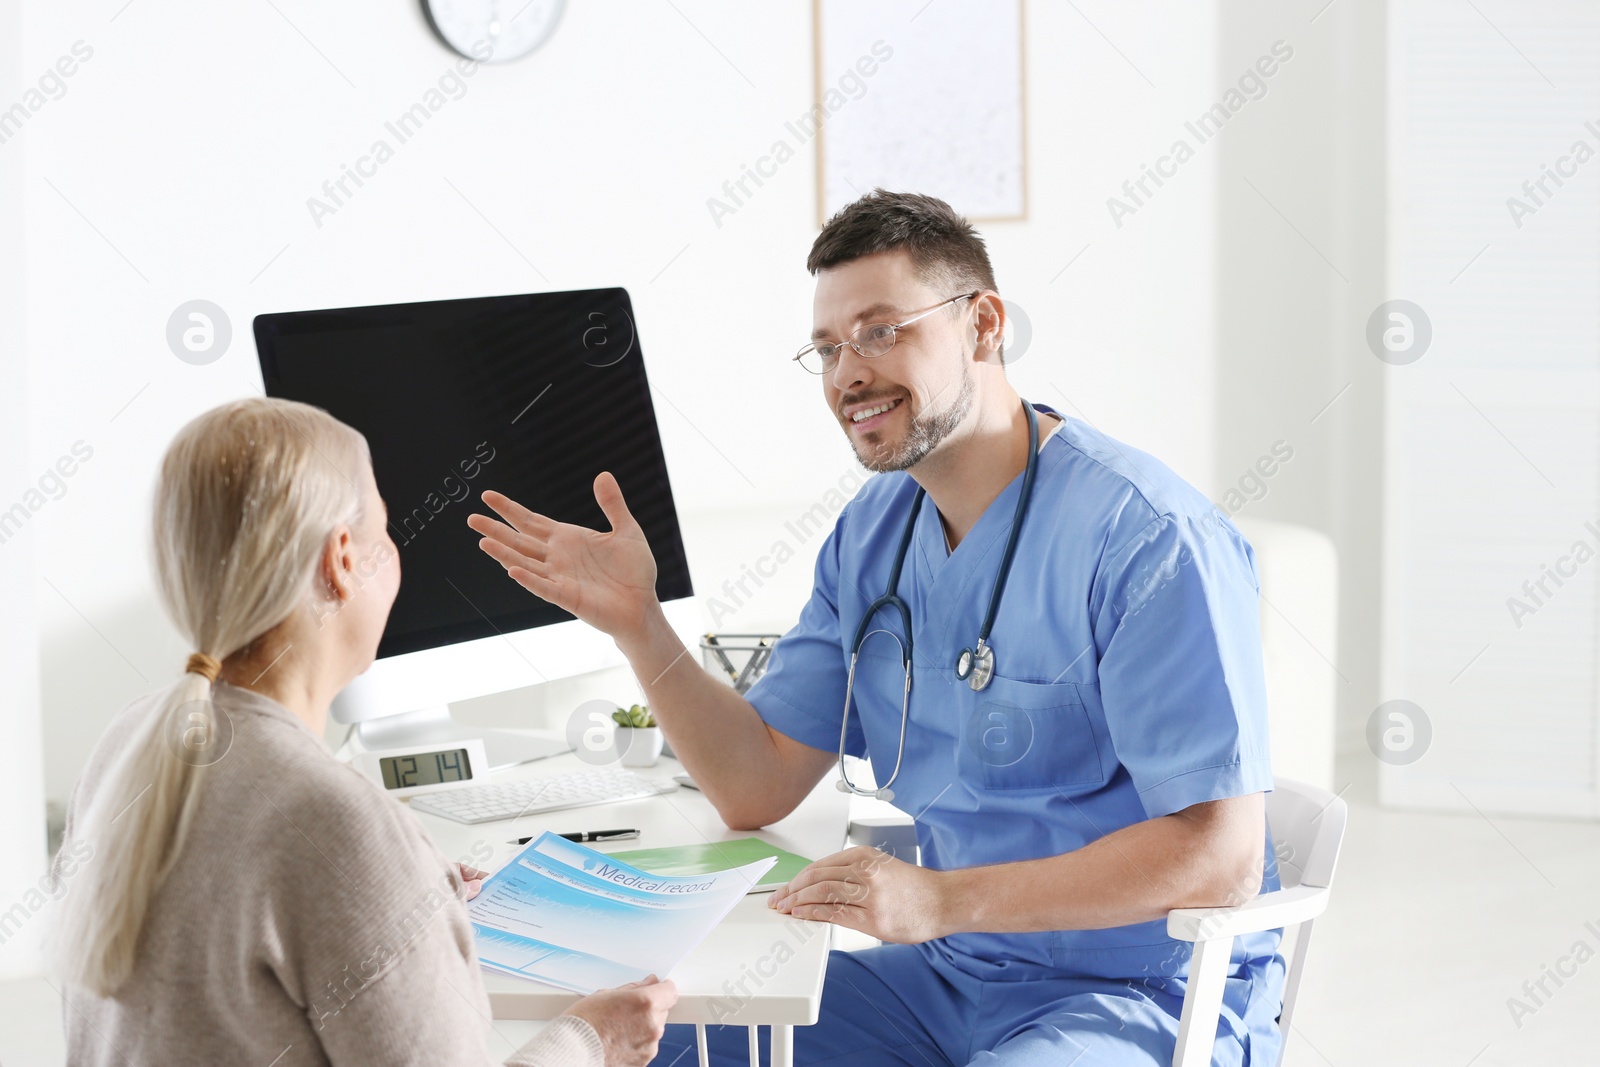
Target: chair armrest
<point>1269,911</point>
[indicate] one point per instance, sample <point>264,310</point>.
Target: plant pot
<point>639,746</point>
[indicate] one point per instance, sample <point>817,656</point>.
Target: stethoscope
<point>975,665</point>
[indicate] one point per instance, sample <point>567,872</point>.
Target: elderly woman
<point>234,894</point>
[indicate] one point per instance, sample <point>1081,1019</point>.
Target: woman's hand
<point>629,1019</point>
<point>471,879</point>
<point>606,579</point>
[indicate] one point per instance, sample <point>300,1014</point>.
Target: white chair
<point>1307,826</point>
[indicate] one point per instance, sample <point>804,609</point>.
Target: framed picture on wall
<point>921,97</point>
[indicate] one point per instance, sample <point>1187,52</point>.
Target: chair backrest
<point>1307,825</point>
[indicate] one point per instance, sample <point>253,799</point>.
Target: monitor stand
<point>425,726</point>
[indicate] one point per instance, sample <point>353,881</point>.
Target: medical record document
<point>576,918</point>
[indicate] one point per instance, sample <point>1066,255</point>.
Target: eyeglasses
<point>875,339</point>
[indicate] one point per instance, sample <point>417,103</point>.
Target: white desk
<point>758,967</point>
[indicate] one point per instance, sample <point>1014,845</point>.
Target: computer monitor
<point>532,395</point>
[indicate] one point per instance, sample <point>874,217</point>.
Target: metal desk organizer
<point>740,658</point>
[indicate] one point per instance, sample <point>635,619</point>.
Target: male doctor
<point>1112,768</point>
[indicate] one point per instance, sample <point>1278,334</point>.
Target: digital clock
<point>414,769</point>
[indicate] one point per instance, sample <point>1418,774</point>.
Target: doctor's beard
<point>927,429</point>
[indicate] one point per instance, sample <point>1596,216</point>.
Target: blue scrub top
<point>1128,680</point>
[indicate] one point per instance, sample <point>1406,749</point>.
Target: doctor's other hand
<point>606,579</point>
<point>629,1019</point>
<point>871,891</point>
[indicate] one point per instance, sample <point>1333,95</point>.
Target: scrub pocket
<point>1029,735</point>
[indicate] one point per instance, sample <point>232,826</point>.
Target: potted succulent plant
<point>638,737</point>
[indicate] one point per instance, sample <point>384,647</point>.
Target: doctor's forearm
<point>714,731</point>
<point>1136,874</point>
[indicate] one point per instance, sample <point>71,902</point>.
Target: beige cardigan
<point>309,920</point>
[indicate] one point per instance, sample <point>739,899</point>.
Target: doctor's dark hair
<point>943,245</point>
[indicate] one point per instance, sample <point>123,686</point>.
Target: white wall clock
<point>494,31</point>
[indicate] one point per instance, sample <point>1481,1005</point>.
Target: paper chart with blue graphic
<point>572,917</point>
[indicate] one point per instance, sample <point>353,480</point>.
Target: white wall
<point>22,837</point>
<point>1301,213</point>
<point>178,164</point>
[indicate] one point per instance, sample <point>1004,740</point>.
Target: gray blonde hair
<point>247,497</point>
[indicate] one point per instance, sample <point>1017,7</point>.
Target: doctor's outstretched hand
<point>606,579</point>
<point>873,892</point>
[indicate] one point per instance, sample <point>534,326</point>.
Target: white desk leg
<point>783,1046</point>
<point>753,1032</point>
<point>700,1044</point>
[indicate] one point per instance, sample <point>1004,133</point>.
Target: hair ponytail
<point>247,497</point>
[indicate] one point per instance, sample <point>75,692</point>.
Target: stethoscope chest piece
<point>976,666</point>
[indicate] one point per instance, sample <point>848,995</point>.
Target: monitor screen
<point>530,395</point>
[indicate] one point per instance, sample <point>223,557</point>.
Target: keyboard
<point>533,796</point>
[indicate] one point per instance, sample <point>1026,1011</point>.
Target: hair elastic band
<point>205,666</point>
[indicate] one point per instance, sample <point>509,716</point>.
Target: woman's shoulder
<point>282,767</point>
<point>121,732</point>
<point>273,791</point>
<point>346,859</point>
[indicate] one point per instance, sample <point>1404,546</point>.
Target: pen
<point>589,835</point>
